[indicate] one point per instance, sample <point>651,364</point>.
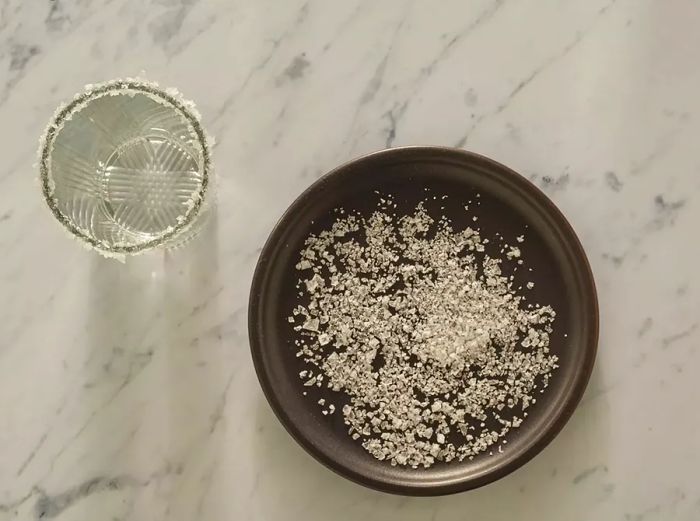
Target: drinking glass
<point>125,167</point>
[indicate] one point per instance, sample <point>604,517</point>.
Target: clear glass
<point>125,167</point>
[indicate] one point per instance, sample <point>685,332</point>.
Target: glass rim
<point>168,97</point>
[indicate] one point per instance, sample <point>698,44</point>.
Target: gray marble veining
<point>127,391</point>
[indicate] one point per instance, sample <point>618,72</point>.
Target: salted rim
<point>64,113</point>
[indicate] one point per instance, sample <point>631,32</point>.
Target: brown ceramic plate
<point>510,205</point>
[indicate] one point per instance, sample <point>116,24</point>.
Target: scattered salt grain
<point>423,338</point>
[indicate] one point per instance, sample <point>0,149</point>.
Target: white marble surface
<point>127,391</point>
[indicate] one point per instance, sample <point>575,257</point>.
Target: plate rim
<point>553,426</point>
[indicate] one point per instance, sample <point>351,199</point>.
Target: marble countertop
<point>127,391</point>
